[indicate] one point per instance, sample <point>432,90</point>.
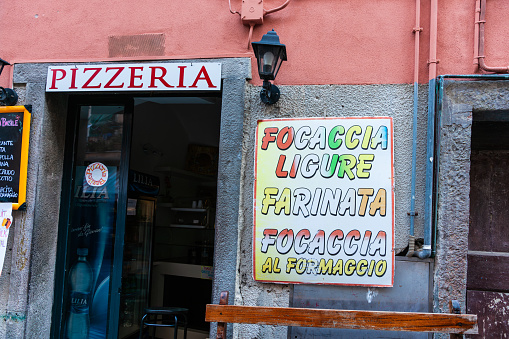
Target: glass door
<point>92,221</point>
<point>136,264</point>
<point>118,152</point>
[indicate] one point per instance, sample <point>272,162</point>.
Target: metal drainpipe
<point>417,31</point>
<point>480,21</point>
<point>435,96</point>
<point>428,202</point>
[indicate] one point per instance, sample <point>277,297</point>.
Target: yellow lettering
<point>362,266</point>
<point>362,165</point>
<point>338,268</point>
<point>365,193</point>
<point>378,203</point>
<point>325,267</point>
<point>267,266</point>
<point>283,202</point>
<point>350,267</point>
<point>290,264</point>
<point>268,200</point>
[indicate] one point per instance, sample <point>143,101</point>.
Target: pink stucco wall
<point>328,41</point>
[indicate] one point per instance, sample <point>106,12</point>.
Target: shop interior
<point>175,144</point>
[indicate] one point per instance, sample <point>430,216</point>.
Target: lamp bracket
<point>8,97</point>
<point>270,93</point>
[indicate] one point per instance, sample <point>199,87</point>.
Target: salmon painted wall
<point>328,41</point>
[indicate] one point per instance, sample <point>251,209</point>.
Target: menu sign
<point>324,201</point>
<point>14,139</point>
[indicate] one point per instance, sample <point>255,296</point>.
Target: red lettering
<point>54,77</point>
<point>109,83</point>
<point>279,169</point>
<point>73,78</point>
<point>289,133</point>
<point>269,232</point>
<point>96,71</point>
<point>134,76</point>
<point>268,137</point>
<point>206,77</point>
<point>181,77</point>
<point>153,77</point>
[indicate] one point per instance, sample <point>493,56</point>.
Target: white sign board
<point>5,223</point>
<point>135,77</point>
<point>324,201</point>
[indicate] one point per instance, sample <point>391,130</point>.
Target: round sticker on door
<point>96,174</point>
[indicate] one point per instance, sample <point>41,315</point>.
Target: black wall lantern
<point>269,55</point>
<point>8,96</point>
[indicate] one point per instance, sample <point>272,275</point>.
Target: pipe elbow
<point>424,254</point>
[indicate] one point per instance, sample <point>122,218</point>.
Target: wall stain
<point>13,316</point>
<point>21,252</point>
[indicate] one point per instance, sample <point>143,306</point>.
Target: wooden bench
<point>454,323</point>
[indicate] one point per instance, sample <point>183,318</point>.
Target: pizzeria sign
<point>134,77</point>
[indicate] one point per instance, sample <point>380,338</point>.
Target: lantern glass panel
<point>268,61</point>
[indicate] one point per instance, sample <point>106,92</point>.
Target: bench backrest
<point>346,319</point>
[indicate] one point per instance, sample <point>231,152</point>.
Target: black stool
<point>164,317</point>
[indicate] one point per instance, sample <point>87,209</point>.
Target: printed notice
<point>324,201</point>
<point>6,222</point>
<point>11,127</point>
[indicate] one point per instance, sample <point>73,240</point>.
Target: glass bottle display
<point>80,283</point>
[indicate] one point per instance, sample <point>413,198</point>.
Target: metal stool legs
<point>160,317</point>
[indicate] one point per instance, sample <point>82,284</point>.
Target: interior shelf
<point>185,209</point>
<point>183,226</point>
<point>184,173</point>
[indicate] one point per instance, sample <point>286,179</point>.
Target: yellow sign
<point>14,141</point>
<point>324,201</point>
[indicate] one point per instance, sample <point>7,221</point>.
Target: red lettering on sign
<point>135,76</point>
<point>73,78</point>
<point>153,77</point>
<point>54,77</point>
<point>181,77</point>
<point>279,169</point>
<point>109,83</point>
<point>287,132</point>
<point>96,71</point>
<point>206,77</point>
<point>269,137</point>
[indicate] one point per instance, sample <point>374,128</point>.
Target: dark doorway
<point>137,212</point>
<point>176,139</point>
<point>488,245</point>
